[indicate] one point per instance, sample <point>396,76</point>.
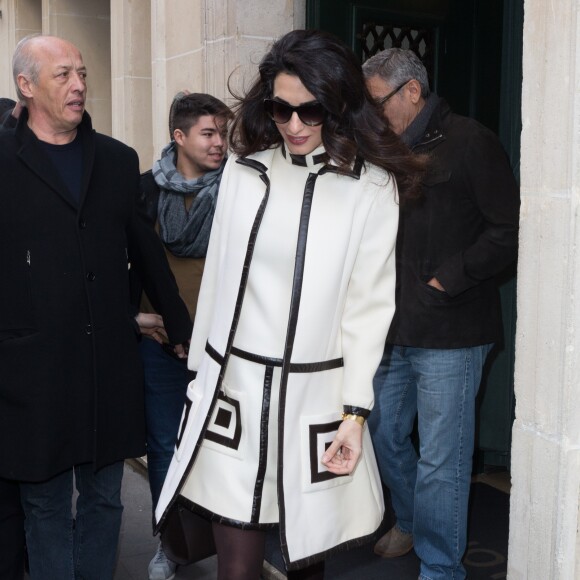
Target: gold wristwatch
<point>351,417</point>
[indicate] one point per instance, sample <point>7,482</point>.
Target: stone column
<point>546,435</point>
<point>258,24</point>
<point>17,20</point>
<point>220,28</point>
<point>131,76</point>
<point>177,57</point>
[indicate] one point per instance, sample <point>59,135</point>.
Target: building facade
<point>140,53</point>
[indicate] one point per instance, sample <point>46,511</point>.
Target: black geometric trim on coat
<point>234,325</point>
<point>248,162</point>
<point>348,545</point>
<point>361,411</point>
<point>314,433</point>
<point>184,422</point>
<point>263,452</point>
<point>289,345</point>
<point>212,516</point>
<point>354,172</point>
<point>312,367</point>
<point>300,160</point>
<point>226,430</point>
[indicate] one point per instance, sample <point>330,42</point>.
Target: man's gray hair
<point>24,63</point>
<point>396,66</point>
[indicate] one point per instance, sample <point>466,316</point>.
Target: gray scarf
<point>413,133</point>
<point>185,233</point>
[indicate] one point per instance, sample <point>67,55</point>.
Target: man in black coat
<point>11,515</point>
<point>451,244</point>
<point>71,393</point>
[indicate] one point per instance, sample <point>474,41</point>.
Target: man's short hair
<point>396,66</point>
<point>24,63</point>
<point>186,109</point>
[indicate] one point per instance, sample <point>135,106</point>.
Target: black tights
<point>241,555</point>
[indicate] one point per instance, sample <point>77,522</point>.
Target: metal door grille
<point>376,37</point>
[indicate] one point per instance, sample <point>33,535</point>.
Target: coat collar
<point>32,155</point>
<point>312,160</point>
<point>262,161</point>
<point>435,132</point>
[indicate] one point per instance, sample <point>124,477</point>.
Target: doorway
<point>472,50</point>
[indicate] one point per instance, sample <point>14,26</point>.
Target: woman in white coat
<point>295,304</point>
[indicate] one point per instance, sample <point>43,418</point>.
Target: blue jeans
<point>166,381</point>
<point>59,550</point>
<point>430,492</point>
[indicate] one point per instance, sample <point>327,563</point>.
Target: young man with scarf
<point>179,195</point>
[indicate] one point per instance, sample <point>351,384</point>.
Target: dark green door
<point>472,50</point>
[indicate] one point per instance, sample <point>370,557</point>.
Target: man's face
<point>204,146</point>
<point>401,108</point>
<point>57,101</point>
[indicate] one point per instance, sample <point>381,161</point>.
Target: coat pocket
<point>226,427</point>
<point>17,319</point>
<point>436,177</point>
<point>317,433</point>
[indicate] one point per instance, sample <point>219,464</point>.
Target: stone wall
<point>546,434</point>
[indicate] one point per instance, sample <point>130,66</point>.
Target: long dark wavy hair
<point>353,125</point>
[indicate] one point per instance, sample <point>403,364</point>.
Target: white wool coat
<point>254,423</point>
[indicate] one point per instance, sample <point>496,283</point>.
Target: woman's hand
<point>344,452</point>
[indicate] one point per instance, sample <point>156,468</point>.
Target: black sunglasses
<point>381,102</point>
<point>311,114</point>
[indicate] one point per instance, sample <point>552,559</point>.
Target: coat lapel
<point>88,144</point>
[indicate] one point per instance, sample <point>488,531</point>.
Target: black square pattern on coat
<point>225,427</point>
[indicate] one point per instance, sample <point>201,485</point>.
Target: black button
<point>88,329</point>
<point>82,224</point>
<point>91,276</point>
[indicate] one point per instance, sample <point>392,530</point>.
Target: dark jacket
<point>147,203</point>
<point>149,197</point>
<point>71,387</point>
<point>7,121</point>
<point>463,231</point>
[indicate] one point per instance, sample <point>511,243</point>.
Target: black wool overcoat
<point>71,386</point>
